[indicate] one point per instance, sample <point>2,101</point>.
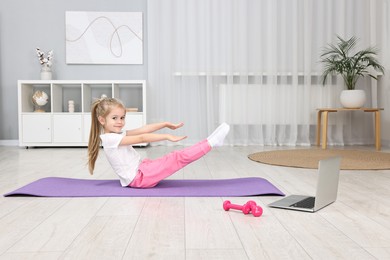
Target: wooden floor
<point>356,226</point>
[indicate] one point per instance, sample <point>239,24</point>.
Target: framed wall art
<point>104,37</point>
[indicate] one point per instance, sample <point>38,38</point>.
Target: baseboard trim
<point>9,142</point>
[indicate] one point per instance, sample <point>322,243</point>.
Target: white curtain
<point>255,64</point>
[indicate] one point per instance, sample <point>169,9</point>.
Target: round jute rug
<point>308,158</point>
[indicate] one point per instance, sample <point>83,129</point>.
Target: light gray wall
<point>27,24</point>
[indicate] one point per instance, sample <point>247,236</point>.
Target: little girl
<point>108,119</point>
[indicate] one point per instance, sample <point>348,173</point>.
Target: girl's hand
<point>174,138</point>
<point>174,126</point>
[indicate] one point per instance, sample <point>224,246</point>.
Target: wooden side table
<point>326,111</point>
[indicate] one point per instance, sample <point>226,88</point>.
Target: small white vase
<point>46,72</point>
<point>353,98</point>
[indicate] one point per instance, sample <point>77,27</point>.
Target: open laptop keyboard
<point>307,203</point>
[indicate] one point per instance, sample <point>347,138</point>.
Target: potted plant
<point>337,59</point>
<point>46,63</point>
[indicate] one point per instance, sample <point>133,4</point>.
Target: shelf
<point>93,91</point>
<point>26,97</point>
<point>130,95</point>
<point>56,126</point>
<point>62,93</point>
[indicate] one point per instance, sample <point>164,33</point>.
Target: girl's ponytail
<point>94,137</point>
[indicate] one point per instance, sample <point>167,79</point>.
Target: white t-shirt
<point>123,158</point>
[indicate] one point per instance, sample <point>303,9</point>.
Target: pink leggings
<point>151,172</point>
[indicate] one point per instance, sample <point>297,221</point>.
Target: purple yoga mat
<point>66,187</point>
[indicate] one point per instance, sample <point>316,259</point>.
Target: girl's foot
<point>219,134</point>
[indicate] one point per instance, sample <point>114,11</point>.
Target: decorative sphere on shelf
<point>40,99</point>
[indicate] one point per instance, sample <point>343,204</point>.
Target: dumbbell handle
<point>246,208</point>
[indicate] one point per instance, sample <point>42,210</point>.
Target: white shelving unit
<point>59,127</point>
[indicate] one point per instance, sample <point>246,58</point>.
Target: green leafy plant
<point>338,60</point>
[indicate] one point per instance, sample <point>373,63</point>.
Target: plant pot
<point>353,98</point>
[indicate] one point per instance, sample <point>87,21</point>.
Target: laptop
<point>327,186</point>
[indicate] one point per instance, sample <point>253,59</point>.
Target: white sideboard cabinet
<point>57,126</point>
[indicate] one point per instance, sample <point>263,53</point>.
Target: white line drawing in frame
<point>104,38</point>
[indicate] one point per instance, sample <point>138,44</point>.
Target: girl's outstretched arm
<point>153,127</point>
<point>149,138</point>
